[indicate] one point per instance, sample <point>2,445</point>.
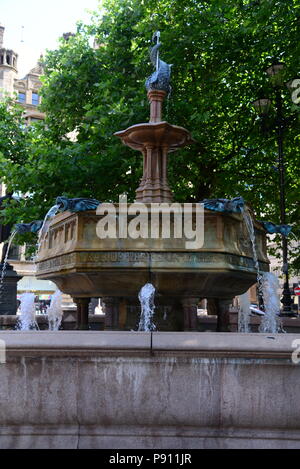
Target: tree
<point>13,152</point>
<point>12,131</point>
<point>219,51</point>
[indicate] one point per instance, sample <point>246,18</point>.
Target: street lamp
<point>262,106</point>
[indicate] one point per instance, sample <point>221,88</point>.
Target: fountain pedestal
<point>8,291</point>
<point>82,304</point>
<point>155,140</point>
<point>111,308</point>
<point>189,306</point>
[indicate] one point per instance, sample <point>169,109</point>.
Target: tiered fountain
<point>85,266</point>
<point>149,389</point>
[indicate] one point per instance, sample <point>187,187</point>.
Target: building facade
<point>25,90</point>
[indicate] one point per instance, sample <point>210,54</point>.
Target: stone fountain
<point>169,390</point>
<point>85,266</point>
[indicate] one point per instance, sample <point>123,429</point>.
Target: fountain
<point>86,265</point>
<point>244,313</point>
<point>55,311</point>
<point>51,213</point>
<point>146,297</point>
<point>270,286</point>
<point>150,389</point>
<point>27,319</point>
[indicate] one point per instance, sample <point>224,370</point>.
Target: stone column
<point>190,313</point>
<point>223,322</point>
<point>212,306</point>
<point>8,291</point>
<point>156,98</point>
<point>111,309</point>
<point>122,314</point>
<point>82,313</point>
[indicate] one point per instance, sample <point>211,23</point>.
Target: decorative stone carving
<point>76,204</point>
<point>235,205</point>
<point>32,227</point>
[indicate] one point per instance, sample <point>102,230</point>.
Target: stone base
<point>120,390</point>
<point>143,437</point>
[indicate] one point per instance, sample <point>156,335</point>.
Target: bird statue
<point>160,79</point>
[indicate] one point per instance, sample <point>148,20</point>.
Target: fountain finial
<point>156,138</point>
<point>160,79</point>
<point>158,84</point>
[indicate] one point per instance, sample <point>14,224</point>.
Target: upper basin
<point>156,134</point>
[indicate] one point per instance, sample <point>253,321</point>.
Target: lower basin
<point>84,266</point>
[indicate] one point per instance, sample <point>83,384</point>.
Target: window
<point>22,98</point>
<point>35,99</point>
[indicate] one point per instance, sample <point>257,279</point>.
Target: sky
<point>32,26</point>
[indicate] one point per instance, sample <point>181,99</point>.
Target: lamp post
<point>262,106</point>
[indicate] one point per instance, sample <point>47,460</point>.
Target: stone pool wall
<point>77,389</point>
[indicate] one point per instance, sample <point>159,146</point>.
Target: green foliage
<point>12,132</point>
<point>219,50</point>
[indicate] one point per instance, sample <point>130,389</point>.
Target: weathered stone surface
<point>115,390</point>
<point>85,266</point>
<point>82,264</point>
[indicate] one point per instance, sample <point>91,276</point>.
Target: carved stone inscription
<point>190,260</point>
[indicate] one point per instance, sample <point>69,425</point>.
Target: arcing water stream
<point>51,212</point>
<point>244,311</point>
<point>268,286</point>
<point>270,322</point>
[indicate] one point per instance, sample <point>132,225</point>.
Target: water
<point>27,320</point>
<point>146,297</point>
<point>245,317</point>
<point>244,313</point>
<point>268,286</point>
<point>270,322</point>
<point>4,266</point>
<point>251,231</point>
<point>55,311</point>
<point>51,212</point>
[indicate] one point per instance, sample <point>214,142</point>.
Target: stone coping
<point>107,343</point>
<point>61,216</point>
